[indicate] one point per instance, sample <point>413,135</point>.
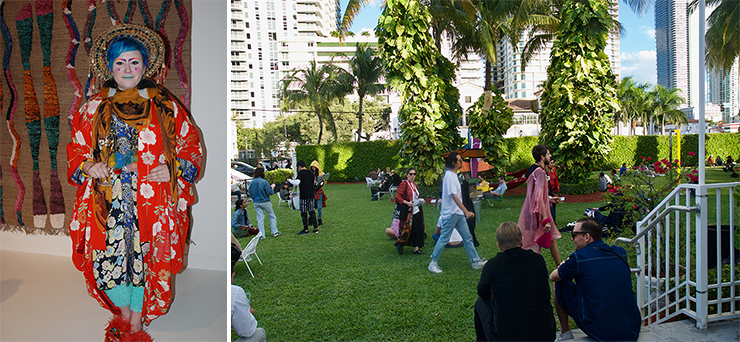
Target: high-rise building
<point>671,45</point>
<point>516,82</point>
<point>266,35</point>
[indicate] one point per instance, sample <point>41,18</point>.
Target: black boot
<point>321,222</point>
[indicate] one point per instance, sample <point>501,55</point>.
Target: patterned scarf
<point>135,110</point>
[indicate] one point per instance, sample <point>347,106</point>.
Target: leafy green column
<point>422,77</point>
<point>490,126</point>
<point>580,94</point>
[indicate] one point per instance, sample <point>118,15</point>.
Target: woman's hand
<point>161,174</point>
<point>96,170</point>
<point>547,227</point>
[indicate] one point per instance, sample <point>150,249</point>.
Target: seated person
<point>612,222</point>
<point>235,191</point>
<point>710,161</point>
<point>601,300</point>
<point>372,174</point>
<point>718,161</point>
<point>396,178</point>
<point>616,177</point>
<point>729,164</point>
<point>513,293</point>
<point>499,191</point>
<point>285,191</point>
<point>242,318</point>
<point>455,239</point>
<point>240,223</point>
<point>604,181</point>
<point>384,186</point>
<point>623,169</point>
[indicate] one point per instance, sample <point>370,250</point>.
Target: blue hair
<point>125,44</point>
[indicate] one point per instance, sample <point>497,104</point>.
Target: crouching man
<point>514,294</point>
<point>601,300</point>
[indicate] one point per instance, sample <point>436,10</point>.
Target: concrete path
<point>683,331</point>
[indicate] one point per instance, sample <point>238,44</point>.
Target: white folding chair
<point>249,250</point>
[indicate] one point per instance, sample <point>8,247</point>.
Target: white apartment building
<point>671,46</point>
<point>518,83</point>
<point>263,33</point>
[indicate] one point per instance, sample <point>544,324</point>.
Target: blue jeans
<point>319,204</point>
<point>461,223</point>
<point>261,209</point>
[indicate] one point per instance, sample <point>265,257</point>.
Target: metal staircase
<point>682,248</point>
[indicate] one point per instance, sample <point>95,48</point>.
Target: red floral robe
<point>162,213</point>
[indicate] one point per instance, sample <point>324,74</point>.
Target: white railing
<point>674,262</point>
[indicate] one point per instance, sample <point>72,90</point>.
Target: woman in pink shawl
<point>535,220</point>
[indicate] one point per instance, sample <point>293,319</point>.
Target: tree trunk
<point>359,116</point>
<point>487,83</point>
<point>321,127</point>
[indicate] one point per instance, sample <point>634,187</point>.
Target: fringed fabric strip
<point>74,45</point>
<point>31,230</point>
<point>45,22</point>
<point>130,11</point>
<point>144,8</point>
<point>159,27</point>
<point>184,29</point>
<point>115,20</point>
<point>11,116</point>
<point>24,25</point>
<point>87,40</point>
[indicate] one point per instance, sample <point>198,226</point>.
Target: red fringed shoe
<point>139,336</point>
<point>117,329</point>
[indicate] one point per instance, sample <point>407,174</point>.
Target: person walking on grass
<point>535,219</point>
<point>260,190</point>
<point>454,215</point>
<point>305,181</point>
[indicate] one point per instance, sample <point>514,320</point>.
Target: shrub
<point>278,176</point>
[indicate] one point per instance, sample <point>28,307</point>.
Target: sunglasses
<point>412,173</point>
<point>574,234</point>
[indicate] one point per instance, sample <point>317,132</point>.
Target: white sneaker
<point>434,267</point>
<point>568,335</point>
<point>276,234</point>
<point>479,264</point>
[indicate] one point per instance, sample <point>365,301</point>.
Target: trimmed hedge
<point>350,162</point>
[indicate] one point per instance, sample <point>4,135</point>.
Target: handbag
<point>545,240</point>
<point>404,231</point>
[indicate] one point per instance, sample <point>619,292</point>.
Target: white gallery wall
<point>209,108</point>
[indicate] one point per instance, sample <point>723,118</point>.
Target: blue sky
<point>637,46</point>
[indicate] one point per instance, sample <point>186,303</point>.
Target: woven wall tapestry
<point>42,55</point>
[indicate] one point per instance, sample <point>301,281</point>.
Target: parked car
<point>243,168</point>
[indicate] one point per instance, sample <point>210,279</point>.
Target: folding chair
<point>371,182</point>
<point>250,250</point>
<point>490,197</point>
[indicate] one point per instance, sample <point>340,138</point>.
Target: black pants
<point>483,320</point>
<point>308,213</point>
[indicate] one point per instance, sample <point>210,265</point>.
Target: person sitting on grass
<point>604,181</point>
<point>242,314</point>
<point>240,223</point>
<point>601,300</point>
<point>513,293</point>
<point>455,239</point>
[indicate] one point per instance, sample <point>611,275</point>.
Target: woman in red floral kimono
<point>134,156</point>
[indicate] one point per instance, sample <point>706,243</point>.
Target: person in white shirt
<point>454,215</point>
<point>242,318</point>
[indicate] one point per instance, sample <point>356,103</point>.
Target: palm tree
<point>665,105</point>
<point>634,103</point>
<point>722,38</point>
<point>365,70</point>
<point>316,87</point>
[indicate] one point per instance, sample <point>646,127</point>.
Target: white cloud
<point>640,65</point>
<point>648,31</point>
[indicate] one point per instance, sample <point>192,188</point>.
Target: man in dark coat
<point>514,293</point>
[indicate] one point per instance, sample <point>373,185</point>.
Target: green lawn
<point>348,282</point>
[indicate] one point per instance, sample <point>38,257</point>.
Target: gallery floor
<point>43,298</point>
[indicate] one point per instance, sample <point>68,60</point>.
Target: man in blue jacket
<point>260,190</point>
<point>601,300</point>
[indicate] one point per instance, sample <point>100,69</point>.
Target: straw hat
<point>148,38</point>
